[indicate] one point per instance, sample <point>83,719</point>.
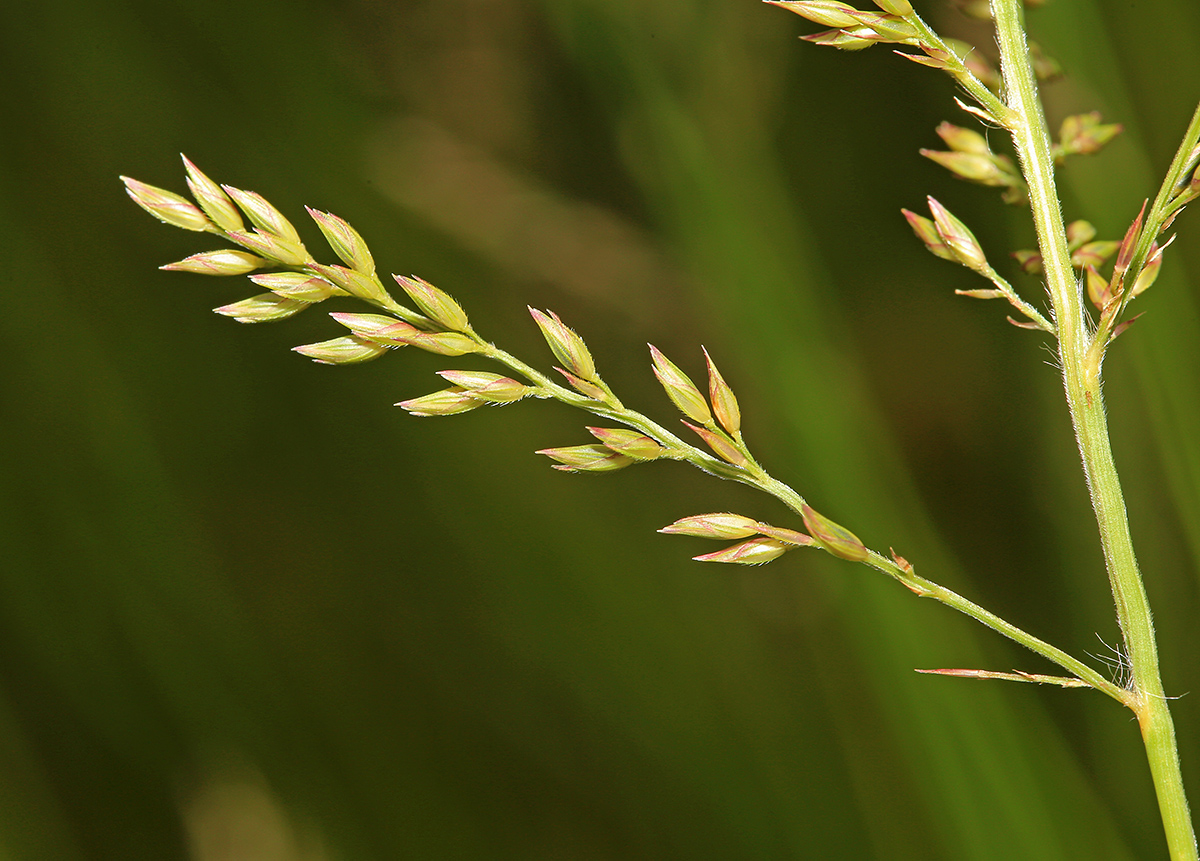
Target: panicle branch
<point>439,325</point>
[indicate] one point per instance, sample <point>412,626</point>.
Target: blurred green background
<point>249,610</point>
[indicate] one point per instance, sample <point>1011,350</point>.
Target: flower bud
<point>263,215</point>
<point>889,28</point>
<point>960,240</point>
<point>681,390</point>
<point>895,7</point>
<point>434,303</point>
<point>980,9</point>
<point>223,262</point>
<point>347,350</point>
<point>827,13</point>
<point>591,390</point>
<point>845,40</point>
<point>442,343</point>
<point>1045,68</point>
<point>272,247</point>
<point>985,293</point>
<point>375,327</point>
<point>1097,288</point>
<point>934,58</point>
<point>1093,253</point>
<point>756,551</point>
<point>567,346</point>
<point>264,308</point>
<point>927,232</point>
<point>1149,273</point>
<point>722,526</point>
<point>1128,244</point>
<point>787,536</point>
<point>493,388</point>
<point>297,285</point>
<point>724,404</point>
<point>388,330</point>
<point>447,402</point>
<point>1079,233</point>
<point>166,206</point>
<point>1029,261</point>
<point>838,540</point>
<point>587,458</point>
<point>345,241</point>
<point>970,166</point>
<point>1085,134</point>
<point>628,442</point>
<point>215,202</point>
<point>963,140</point>
<point>721,446</point>
<point>355,283</point>
<point>1122,326</point>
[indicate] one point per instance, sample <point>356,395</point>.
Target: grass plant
<point>1090,284</point>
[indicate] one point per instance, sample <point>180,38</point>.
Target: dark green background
<point>237,587</point>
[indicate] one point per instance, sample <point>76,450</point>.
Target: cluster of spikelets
<point>271,253</point>
<point>950,239</point>
<point>969,156</point>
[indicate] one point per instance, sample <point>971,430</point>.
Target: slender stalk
<point>928,589</point>
<point>1082,381</point>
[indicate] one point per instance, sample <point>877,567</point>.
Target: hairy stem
<point>1081,377</point>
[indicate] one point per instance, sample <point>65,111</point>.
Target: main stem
<point>1082,380</point>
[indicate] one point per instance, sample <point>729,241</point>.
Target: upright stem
<point>1082,380</point>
